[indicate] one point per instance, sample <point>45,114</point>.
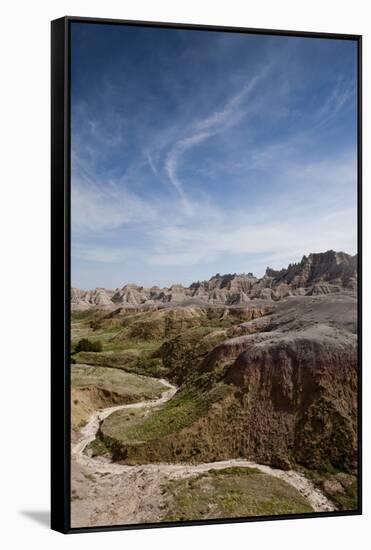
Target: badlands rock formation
<point>316,274</point>
<point>282,392</point>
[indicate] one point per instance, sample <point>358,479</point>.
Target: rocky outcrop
<point>333,268</point>
<point>324,273</point>
<point>299,397</point>
<point>85,299</point>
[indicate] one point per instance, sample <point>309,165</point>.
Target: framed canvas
<point>206,266</point>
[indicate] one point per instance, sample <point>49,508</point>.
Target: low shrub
<point>87,345</point>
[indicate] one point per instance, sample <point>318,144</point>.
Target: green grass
<point>183,354</point>
<point>82,326</point>
<point>233,471</point>
<point>144,333</point>
<point>146,330</point>
<point>97,448</point>
<point>107,359</point>
<point>178,413</point>
<point>109,340</point>
<point>127,345</point>
<point>131,360</point>
<point>76,335</point>
<point>115,380</point>
<point>232,492</point>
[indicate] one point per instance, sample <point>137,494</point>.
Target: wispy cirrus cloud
<point>173,158</point>
<point>218,121</point>
<point>278,240</point>
<point>101,254</point>
<point>342,93</point>
<point>151,163</point>
<point>96,208</point>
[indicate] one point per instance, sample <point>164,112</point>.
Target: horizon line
<point>248,273</point>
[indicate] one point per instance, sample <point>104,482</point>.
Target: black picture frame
<point>61,270</point>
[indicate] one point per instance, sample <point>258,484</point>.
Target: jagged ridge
<point>319,273</point>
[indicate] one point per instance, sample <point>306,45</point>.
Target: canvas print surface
<point>214,275</point>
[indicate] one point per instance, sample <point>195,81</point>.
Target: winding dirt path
<point>134,492</point>
<point>90,429</point>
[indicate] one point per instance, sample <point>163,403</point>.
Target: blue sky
<point>202,152</point>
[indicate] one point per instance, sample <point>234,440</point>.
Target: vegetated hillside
<point>94,387</point>
<point>316,274</point>
<point>279,389</point>
<point>232,492</point>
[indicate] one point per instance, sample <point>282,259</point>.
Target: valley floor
<point>105,493</point>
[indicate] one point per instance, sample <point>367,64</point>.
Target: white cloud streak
<point>151,163</point>
<point>98,208</point>
<point>217,122</point>
<point>341,94</point>
<point>101,254</point>
<point>279,239</point>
